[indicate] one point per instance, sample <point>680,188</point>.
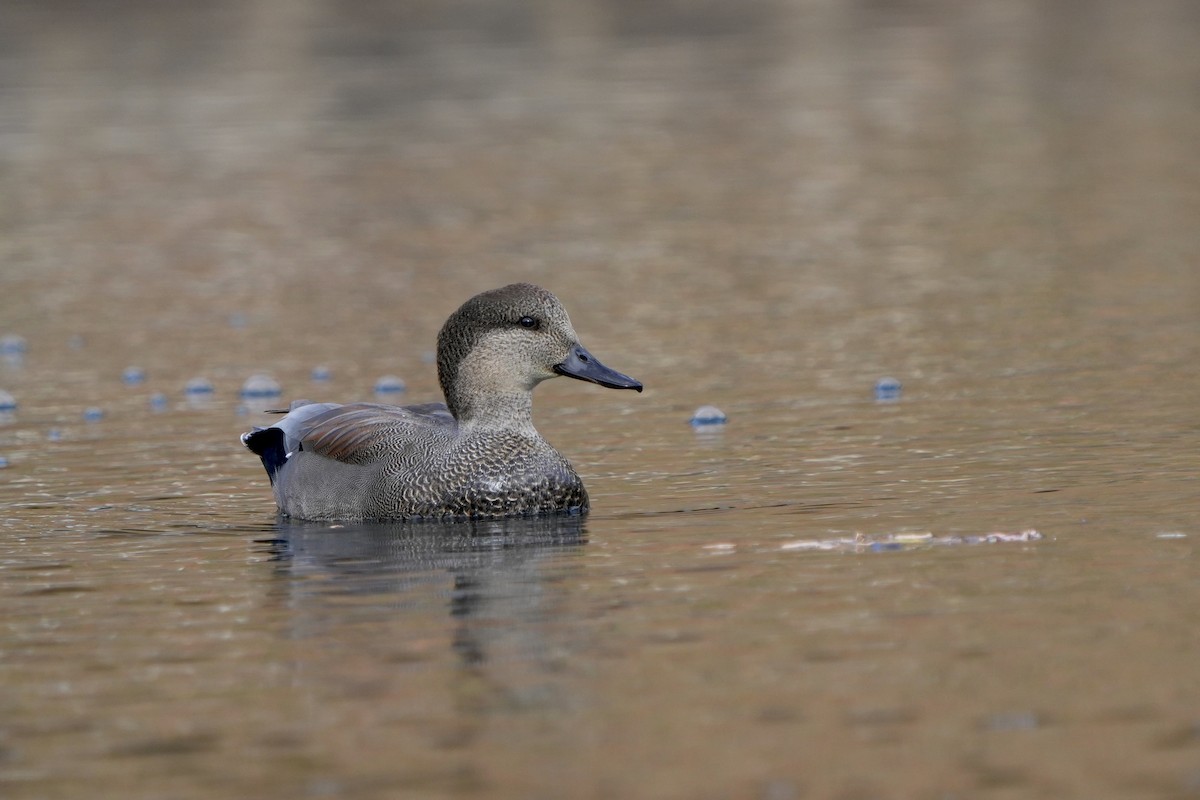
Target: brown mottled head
<point>506,341</point>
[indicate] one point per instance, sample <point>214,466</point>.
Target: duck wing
<point>360,433</point>
<point>356,433</point>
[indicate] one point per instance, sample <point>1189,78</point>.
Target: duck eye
<point>529,322</point>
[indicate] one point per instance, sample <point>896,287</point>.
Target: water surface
<point>766,209</point>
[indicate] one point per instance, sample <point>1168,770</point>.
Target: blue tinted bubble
<point>887,390</point>
<point>708,415</point>
<point>12,345</point>
<point>389,384</point>
<point>93,414</point>
<point>3,462</point>
<point>132,376</point>
<point>198,386</point>
<point>54,435</point>
<point>321,373</point>
<point>261,385</point>
<point>158,401</point>
<point>8,403</point>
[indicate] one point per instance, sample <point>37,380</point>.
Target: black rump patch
<point>268,444</point>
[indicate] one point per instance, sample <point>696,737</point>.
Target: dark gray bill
<point>581,364</point>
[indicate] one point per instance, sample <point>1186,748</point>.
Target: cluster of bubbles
<point>709,417</point>
<point>260,391</point>
<point>262,387</point>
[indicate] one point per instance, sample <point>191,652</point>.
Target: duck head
<point>500,344</point>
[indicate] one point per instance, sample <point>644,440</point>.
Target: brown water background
<point>766,206</point>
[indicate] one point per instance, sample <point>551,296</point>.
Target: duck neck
<point>481,393</point>
<point>494,411</point>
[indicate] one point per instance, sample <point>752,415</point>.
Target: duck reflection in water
<point>493,576</point>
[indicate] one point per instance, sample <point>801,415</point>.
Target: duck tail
<point>269,445</point>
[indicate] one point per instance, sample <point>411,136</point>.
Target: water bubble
<point>8,403</point>
<point>389,384</point>
<point>261,385</point>
<point>158,401</point>
<point>3,462</point>
<point>198,386</point>
<point>93,414</point>
<point>54,435</point>
<point>12,350</point>
<point>428,357</point>
<point>132,376</point>
<point>887,390</point>
<point>707,415</point>
<point>321,373</point>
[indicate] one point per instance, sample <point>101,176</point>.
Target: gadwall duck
<point>476,455</point>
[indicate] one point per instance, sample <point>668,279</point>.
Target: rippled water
<point>766,207</point>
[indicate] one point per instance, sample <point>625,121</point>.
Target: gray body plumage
<point>478,455</point>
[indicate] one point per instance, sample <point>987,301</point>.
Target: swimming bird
<point>476,455</point>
